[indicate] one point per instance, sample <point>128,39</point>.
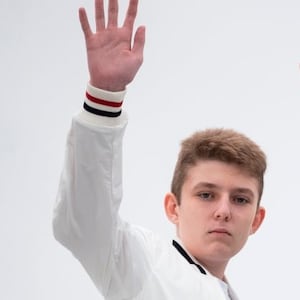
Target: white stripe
<point>106,95</point>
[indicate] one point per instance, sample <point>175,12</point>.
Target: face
<point>218,211</point>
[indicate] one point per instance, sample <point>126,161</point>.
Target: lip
<point>220,231</point>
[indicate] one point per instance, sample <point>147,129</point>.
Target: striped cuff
<point>103,103</point>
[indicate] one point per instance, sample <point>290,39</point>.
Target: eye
<point>205,195</point>
<point>241,200</point>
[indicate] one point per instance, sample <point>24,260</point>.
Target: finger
<point>84,22</point>
<point>99,15</point>
<point>131,14</point>
<point>139,41</point>
<point>113,9</point>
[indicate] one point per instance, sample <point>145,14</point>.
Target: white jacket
<point>124,261</point>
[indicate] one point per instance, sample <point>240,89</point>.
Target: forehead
<point>220,175</point>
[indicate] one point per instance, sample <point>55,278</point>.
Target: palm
<point>112,59</point>
<point>109,56</point>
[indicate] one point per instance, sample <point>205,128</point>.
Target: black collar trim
<point>187,257</point>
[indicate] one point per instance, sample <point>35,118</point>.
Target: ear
<point>171,207</point>
<point>258,219</point>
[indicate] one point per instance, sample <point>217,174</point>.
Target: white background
<point>207,64</point>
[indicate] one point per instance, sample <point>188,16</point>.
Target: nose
<point>223,210</point>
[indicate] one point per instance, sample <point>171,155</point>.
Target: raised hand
<point>113,58</point>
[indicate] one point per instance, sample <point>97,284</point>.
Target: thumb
<point>139,41</point>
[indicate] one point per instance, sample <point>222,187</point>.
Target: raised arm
<point>114,55</point>
<point>86,219</point>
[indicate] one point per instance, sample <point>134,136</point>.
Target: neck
<point>217,269</point>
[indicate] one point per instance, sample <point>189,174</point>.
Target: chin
<point>222,253</point>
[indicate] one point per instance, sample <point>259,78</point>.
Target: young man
<point>214,200</point>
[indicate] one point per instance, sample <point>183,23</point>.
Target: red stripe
<point>103,102</point>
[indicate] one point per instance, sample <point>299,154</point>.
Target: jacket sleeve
<point>86,219</point>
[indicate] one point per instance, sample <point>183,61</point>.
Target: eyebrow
<point>215,186</point>
<point>206,185</point>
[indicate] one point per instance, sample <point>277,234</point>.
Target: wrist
<point>107,86</point>
<point>102,102</point>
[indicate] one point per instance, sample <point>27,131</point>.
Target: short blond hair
<point>220,144</point>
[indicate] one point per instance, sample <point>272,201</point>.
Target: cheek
<point>245,227</point>
<point>194,218</point>
<point>186,214</point>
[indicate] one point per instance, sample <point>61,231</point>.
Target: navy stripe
<point>100,112</point>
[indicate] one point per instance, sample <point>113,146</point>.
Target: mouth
<point>220,231</point>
